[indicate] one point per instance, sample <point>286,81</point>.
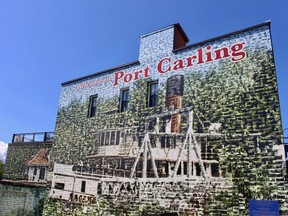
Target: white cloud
<point>3,150</point>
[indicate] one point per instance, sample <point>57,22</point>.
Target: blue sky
<point>46,42</point>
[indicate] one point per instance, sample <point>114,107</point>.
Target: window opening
<point>35,171</point>
<point>111,137</point>
<point>59,185</point>
<point>124,100</point>
<point>153,94</point>
<point>42,173</point>
<point>215,170</point>
<point>92,106</point>
<point>83,186</point>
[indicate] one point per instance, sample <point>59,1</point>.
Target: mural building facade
<point>191,129</point>
<point>185,129</point>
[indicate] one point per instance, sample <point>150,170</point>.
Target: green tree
<point>1,169</point>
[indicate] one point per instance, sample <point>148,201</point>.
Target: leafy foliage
<point>1,169</point>
<point>241,96</point>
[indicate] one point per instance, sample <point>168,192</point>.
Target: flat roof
<point>101,72</point>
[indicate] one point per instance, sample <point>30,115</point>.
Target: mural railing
<point>33,137</point>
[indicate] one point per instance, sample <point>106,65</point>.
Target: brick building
<point>28,173</point>
<point>28,156</point>
<point>185,126</point>
<point>185,129</point>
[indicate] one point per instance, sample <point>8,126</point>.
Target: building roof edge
<point>175,50</point>
<point>98,73</point>
<point>225,35</point>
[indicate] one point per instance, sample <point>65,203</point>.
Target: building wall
<point>18,153</point>
<point>35,176</point>
<point>21,200</point>
<point>238,90</point>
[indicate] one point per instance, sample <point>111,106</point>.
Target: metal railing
<point>33,137</point>
<point>285,142</point>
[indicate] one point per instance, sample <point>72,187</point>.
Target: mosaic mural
<point>192,129</point>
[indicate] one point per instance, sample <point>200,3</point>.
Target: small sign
<point>264,208</point>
